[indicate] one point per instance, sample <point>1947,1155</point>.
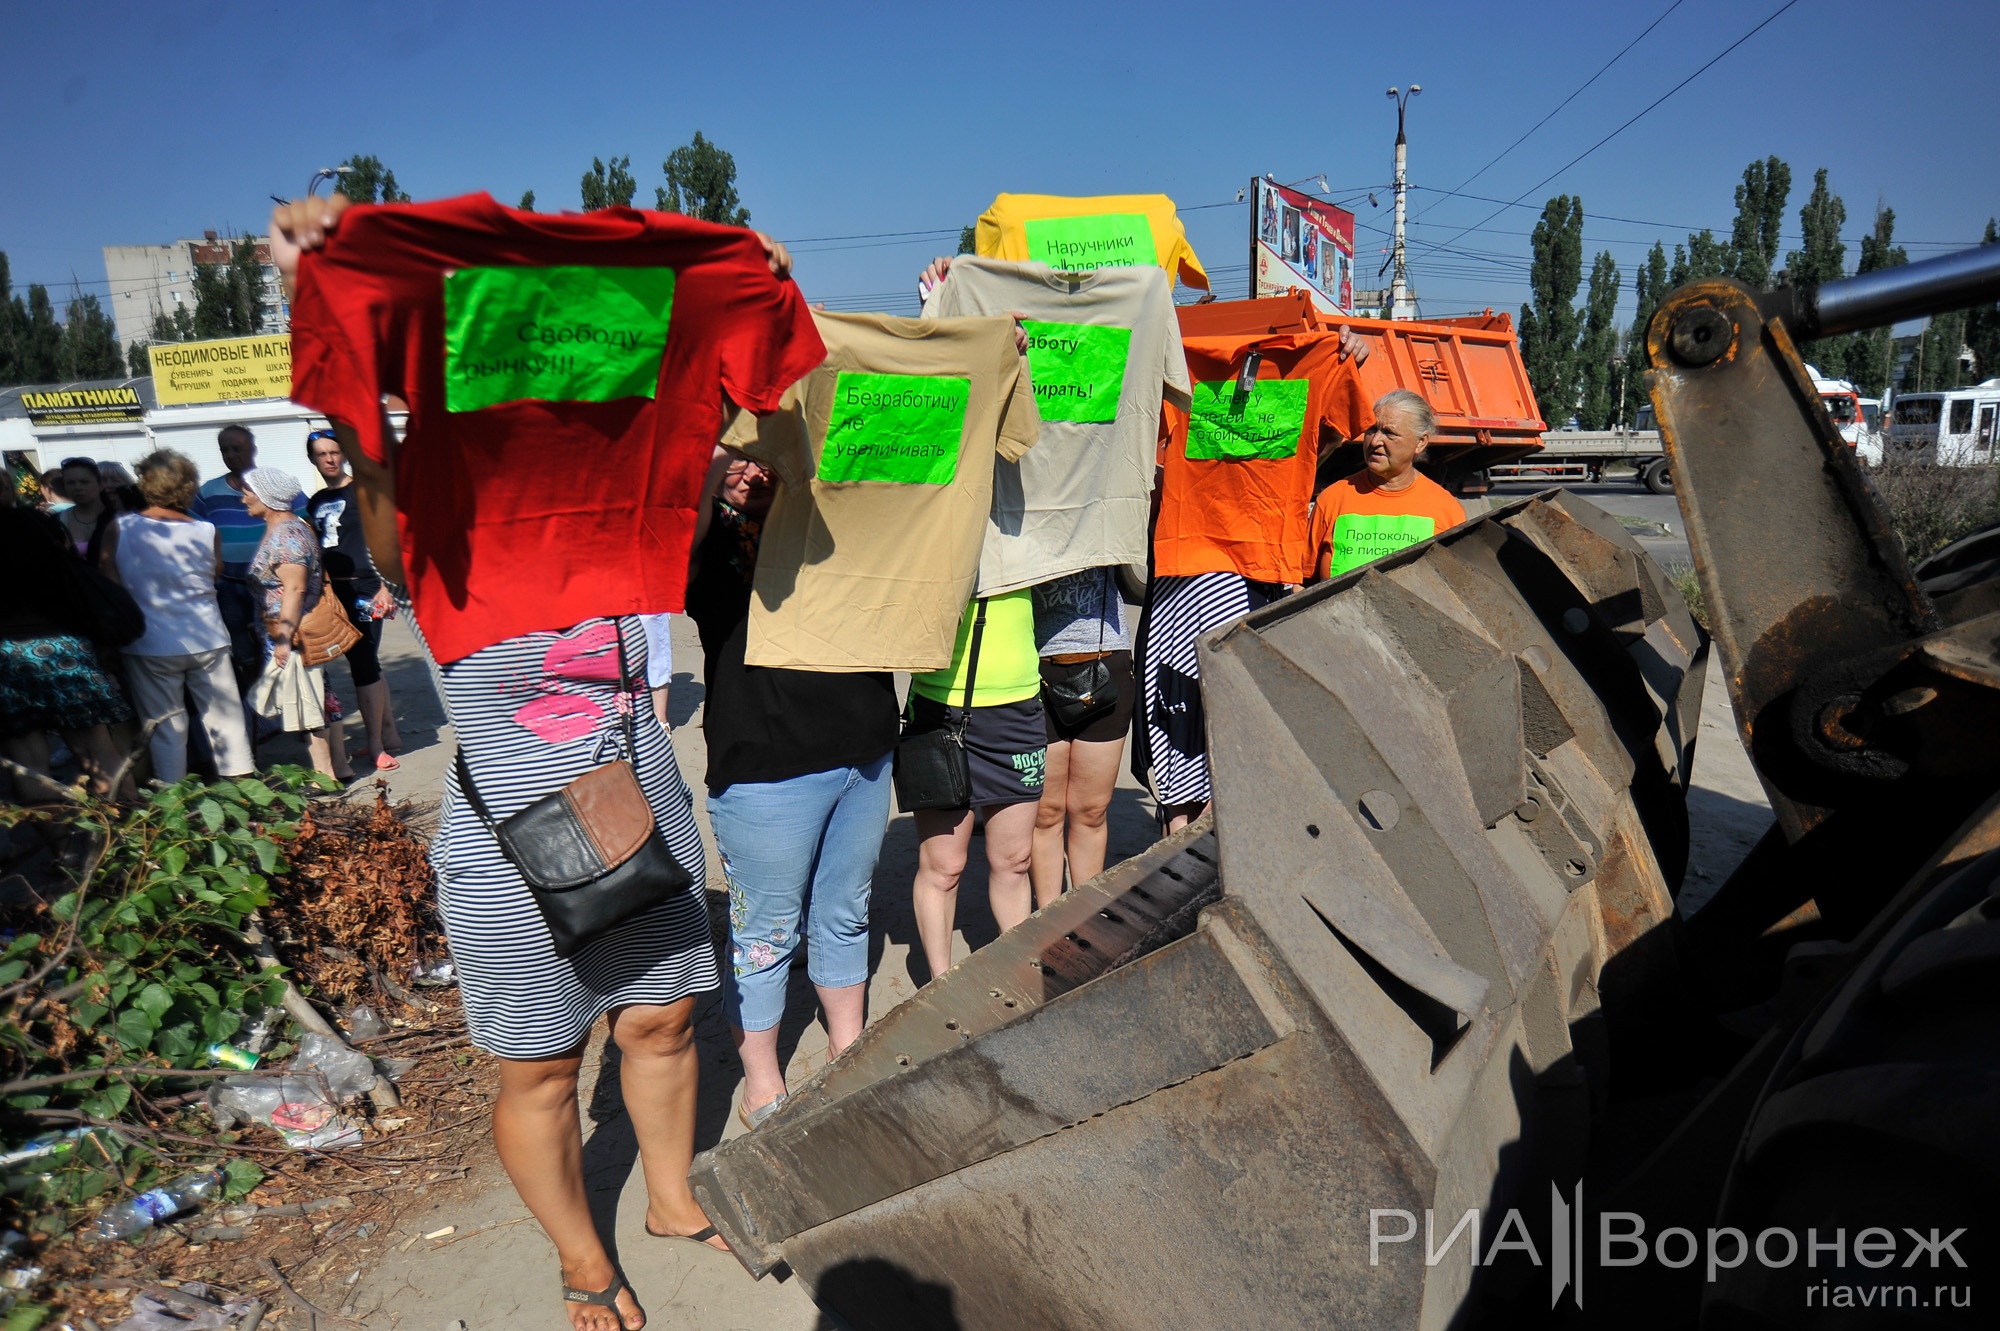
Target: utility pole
<point>1400,306</point>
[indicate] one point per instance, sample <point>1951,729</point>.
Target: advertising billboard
<point>82,406</point>
<point>1298,241</point>
<point>233,369</point>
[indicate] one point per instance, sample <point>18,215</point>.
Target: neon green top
<point>1010,669</point>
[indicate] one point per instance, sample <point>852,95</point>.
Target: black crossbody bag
<point>932,769</point>
<point>1086,690</point>
<point>591,853</point>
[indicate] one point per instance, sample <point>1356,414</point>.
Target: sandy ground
<point>496,1270</point>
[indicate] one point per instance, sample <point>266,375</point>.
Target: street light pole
<point>1399,282</point>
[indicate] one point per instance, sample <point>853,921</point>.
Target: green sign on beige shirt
<point>901,428</point>
<point>1078,369</point>
<point>1225,424</point>
<point>560,334</point>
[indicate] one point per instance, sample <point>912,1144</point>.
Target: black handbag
<point>1086,691</point>
<point>932,769</point>
<point>591,853</point>
<point>110,614</point>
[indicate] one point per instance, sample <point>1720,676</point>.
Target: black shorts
<point>1114,723</point>
<point>1004,747</point>
<point>364,657</point>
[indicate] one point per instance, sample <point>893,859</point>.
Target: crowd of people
<point>157,605</point>
<point>776,475</point>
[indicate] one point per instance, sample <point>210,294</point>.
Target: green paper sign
<point>1079,244</point>
<point>554,334</point>
<point>1267,422</point>
<point>1362,538</point>
<point>1078,369</point>
<point>902,428</point>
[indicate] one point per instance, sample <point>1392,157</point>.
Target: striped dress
<point>533,713</point>
<point>1173,736</point>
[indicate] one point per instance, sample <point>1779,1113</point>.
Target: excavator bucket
<point>1230,1081</point>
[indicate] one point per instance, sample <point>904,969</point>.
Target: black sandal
<point>607,1298</point>
<point>701,1236</point>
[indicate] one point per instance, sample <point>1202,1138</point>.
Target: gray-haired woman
<point>1388,504</point>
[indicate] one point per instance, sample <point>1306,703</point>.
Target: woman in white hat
<point>287,567</point>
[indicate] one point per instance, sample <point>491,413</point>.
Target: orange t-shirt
<point>1357,522</point>
<point>1239,467</point>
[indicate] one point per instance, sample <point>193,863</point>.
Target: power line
<point>1650,106</point>
<point>1572,97</point>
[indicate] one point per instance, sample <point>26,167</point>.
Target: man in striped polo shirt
<point>220,501</point>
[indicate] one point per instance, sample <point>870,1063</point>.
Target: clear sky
<point>139,123</point>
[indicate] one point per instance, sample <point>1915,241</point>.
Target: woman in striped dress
<point>535,710</point>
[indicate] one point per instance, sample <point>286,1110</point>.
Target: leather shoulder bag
<point>591,853</point>
<point>1085,690</point>
<point>325,632</point>
<point>932,769</point>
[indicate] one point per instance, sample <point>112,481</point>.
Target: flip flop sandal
<point>701,1236</point>
<point>385,761</point>
<point>604,1298</point>
<point>753,1118</point>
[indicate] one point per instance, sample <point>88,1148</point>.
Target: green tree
<point>1871,355</point>
<point>1824,259</point>
<point>183,324</point>
<point>527,204</point>
<point>1549,325</point>
<point>89,347</point>
<point>41,339</point>
<point>701,182</point>
<point>1982,325</point>
<point>366,180</point>
<point>1650,287</point>
<point>967,240</point>
<point>1598,353</point>
<point>1760,216</point>
<point>229,297</point>
<point>164,329</point>
<point>13,318</point>
<point>608,186</point>
<point>1935,368</point>
<point>1702,256</point>
<point>137,363</point>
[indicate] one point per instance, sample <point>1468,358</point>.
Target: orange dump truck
<point>1469,369</point>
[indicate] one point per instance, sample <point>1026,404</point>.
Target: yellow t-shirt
<point>1010,669</point>
<point>1074,235</point>
<point>886,456</point>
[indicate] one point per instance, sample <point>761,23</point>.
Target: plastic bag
<point>348,1072</point>
<point>262,1099</point>
<point>190,1309</point>
<point>364,1023</point>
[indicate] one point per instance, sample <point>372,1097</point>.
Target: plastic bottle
<point>149,1208</point>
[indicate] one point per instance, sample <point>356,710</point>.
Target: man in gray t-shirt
<point>1104,348</point>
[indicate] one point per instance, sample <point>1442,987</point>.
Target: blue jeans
<point>819,833</point>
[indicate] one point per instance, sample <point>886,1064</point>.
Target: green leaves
<point>239,1177</point>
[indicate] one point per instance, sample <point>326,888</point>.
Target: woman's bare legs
<point>1046,868</point>
<point>1010,849</point>
<point>763,1079</point>
<point>540,1139</point>
<point>328,747</point>
<point>376,719</point>
<point>658,1076</point>
<point>1177,816</point>
<point>1093,775</point>
<point>943,838</point>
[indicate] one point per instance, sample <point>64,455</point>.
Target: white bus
<point>1959,428</point>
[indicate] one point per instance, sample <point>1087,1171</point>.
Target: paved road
<point>1628,499</point>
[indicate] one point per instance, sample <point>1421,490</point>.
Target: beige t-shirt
<point>1104,347</point>
<point>886,453</point>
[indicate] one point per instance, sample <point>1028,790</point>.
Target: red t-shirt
<point>1236,494</point>
<point>565,376</point>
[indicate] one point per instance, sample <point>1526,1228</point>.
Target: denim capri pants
<point>802,847</point>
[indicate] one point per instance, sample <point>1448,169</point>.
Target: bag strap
<point>625,689</point>
<point>972,653</point>
<point>471,791</point>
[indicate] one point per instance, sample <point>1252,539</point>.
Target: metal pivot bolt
<point>1702,335</point>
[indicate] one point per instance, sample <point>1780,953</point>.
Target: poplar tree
<point>1702,256</point>
<point>41,339</point>
<point>1982,325</point>
<point>527,203</point>
<point>1599,350</point>
<point>229,297</point>
<point>366,180</point>
<point>1935,367</point>
<point>1550,323</point>
<point>609,186</point>
<point>138,364</point>
<point>1824,259</point>
<point>967,239</point>
<point>1871,355</point>
<point>13,320</point>
<point>89,345</point>
<point>701,183</point>
<point>1760,216</point>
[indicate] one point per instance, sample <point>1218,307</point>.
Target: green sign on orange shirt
<point>1362,538</point>
<point>1225,424</point>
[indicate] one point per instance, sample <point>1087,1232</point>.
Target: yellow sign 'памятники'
<point>233,369</point>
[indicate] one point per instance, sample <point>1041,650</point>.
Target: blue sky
<point>139,123</point>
